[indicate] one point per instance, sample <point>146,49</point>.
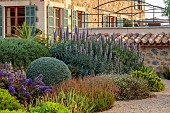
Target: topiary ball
<point>53,70</point>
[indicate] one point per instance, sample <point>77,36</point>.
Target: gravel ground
<point>158,104</point>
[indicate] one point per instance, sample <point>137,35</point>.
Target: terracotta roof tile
<point>143,38</point>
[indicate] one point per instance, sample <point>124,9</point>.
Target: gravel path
<point>160,104</point>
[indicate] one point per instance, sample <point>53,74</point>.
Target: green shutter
<point>136,4</point>
<point>86,18</point>
<point>1,21</point>
<point>30,17</point>
<point>57,20</point>
<point>74,17</point>
<point>65,19</point>
<point>105,21</point>
<point>143,4</point>
<point>50,21</point>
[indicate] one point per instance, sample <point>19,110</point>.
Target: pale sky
<point>157,3</point>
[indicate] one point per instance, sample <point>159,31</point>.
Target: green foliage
<point>13,111</point>
<point>131,88</point>
<point>7,101</point>
<point>95,56</point>
<point>145,69</point>
<point>154,82</point>
<point>166,10</point>
<point>82,63</point>
<point>75,102</point>
<point>103,101</point>
<point>53,70</point>
<point>99,90</point>
<point>42,40</point>
<point>26,32</point>
<point>127,23</point>
<point>20,52</point>
<point>50,107</point>
<point>166,72</point>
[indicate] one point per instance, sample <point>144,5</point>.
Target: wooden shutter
<point>74,17</point>
<point>50,21</point>
<point>30,17</point>
<point>86,18</point>
<point>1,21</point>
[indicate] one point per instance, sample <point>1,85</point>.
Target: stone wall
<point>156,56</point>
<point>113,6</point>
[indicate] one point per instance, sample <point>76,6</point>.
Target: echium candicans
<point>11,90</point>
<point>22,88</point>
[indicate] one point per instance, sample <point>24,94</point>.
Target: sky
<point>157,3</point>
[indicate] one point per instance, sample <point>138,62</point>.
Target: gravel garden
<point>81,73</point>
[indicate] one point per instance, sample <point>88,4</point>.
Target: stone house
<point>50,15</point>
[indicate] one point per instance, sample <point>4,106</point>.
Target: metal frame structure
<point>152,9</point>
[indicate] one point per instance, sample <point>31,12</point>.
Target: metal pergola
<point>152,9</point>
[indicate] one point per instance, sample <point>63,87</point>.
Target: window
<point>15,16</point>
<point>80,18</point>
<point>111,21</point>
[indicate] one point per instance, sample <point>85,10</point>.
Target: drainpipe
<point>30,2</point>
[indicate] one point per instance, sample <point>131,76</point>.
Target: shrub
<point>7,111</point>
<point>7,101</point>
<point>42,40</point>
<point>93,55</point>
<point>75,102</point>
<point>131,88</point>
<point>166,72</point>
<point>82,63</point>
<point>127,23</point>
<point>19,86</point>
<point>71,99</point>
<point>154,82</point>
<point>53,70</point>
<point>145,69</point>
<point>50,107</point>
<point>20,52</point>
<point>99,90</point>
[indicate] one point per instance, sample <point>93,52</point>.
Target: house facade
<point>52,15</point>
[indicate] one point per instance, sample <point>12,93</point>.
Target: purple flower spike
<point>11,90</point>
<point>27,94</point>
<point>67,31</point>
<point>110,56</point>
<point>87,33</point>
<point>47,91</point>
<point>1,73</point>
<point>83,35</point>
<point>30,81</point>
<point>22,88</point>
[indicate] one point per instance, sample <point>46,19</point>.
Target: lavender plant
<point>19,86</point>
